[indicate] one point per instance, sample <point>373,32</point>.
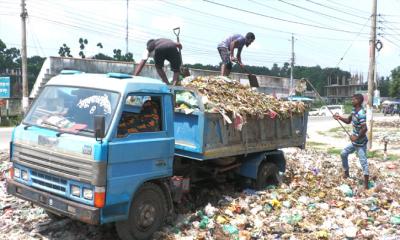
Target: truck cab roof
<point>110,82</point>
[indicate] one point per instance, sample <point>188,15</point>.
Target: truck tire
<point>268,174</point>
<point>147,214</point>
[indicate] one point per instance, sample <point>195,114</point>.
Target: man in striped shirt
<point>358,137</point>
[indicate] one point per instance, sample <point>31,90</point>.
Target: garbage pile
<point>222,95</point>
<point>387,130</point>
<point>313,202</point>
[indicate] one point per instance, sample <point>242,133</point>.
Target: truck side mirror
<point>99,127</point>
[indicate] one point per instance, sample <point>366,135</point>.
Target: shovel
<point>184,70</point>
<point>252,78</point>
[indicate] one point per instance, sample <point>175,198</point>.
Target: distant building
<point>341,89</point>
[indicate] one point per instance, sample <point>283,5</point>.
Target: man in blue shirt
<point>226,50</point>
<point>358,137</point>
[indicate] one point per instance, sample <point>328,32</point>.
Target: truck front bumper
<point>54,203</point>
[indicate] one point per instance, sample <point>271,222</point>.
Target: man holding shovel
<point>358,137</point>
<point>226,50</point>
<point>160,50</point>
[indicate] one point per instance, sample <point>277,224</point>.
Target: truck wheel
<point>146,216</point>
<point>268,174</point>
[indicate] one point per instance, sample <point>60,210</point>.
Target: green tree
<point>275,70</point>
<point>285,70</point>
<point>383,86</point>
<point>64,51</point>
<point>394,90</point>
<point>34,66</point>
<point>127,57</point>
<point>82,44</point>
<point>101,56</point>
<point>9,57</point>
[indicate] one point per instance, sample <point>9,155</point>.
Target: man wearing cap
<point>226,50</point>
<point>160,50</point>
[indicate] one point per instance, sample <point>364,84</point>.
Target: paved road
<point>5,137</point>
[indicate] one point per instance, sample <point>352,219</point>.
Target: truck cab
<point>59,163</point>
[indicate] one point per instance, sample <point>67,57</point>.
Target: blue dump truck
<point>102,148</point>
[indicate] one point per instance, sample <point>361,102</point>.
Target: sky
<point>329,33</point>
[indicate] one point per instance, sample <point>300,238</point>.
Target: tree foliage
<point>118,56</point>
<point>82,44</point>
<point>10,58</point>
<point>383,86</point>
<point>64,51</point>
<point>394,90</point>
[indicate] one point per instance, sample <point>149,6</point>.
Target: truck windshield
<point>71,109</point>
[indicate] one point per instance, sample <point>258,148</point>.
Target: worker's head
<point>151,45</point>
<point>357,99</point>
<point>250,37</point>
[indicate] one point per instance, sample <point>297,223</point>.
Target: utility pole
<point>25,99</point>
<point>127,26</point>
<point>371,73</point>
<point>291,68</point>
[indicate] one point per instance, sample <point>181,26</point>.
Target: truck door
<point>142,148</point>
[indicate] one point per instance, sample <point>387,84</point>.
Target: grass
<point>11,121</point>
<point>334,151</point>
<point>315,144</point>
<point>370,154</point>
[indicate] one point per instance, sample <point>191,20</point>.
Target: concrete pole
<point>371,73</point>
<point>127,26</point>
<point>291,68</point>
<point>25,92</point>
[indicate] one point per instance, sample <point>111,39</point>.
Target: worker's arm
<point>179,46</point>
<point>239,57</point>
<point>234,44</point>
<point>363,131</point>
<point>140,67</point>
<point>345,120</point>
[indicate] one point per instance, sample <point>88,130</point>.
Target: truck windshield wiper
<point>51,124</point>
<point>79,130</point>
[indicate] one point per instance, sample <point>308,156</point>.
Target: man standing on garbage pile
<point>160,50</point>
<point>358,137</point>
<point>226,50</point>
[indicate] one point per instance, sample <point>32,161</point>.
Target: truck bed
<point>203,136</point>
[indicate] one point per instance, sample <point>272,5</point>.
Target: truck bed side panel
<point>212,138</point>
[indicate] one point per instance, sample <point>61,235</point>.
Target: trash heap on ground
<point>227,97</point>
<point>313,202</point>
<point>387,130</point>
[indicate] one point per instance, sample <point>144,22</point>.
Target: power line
<point>279,10</point>
<point>256,26</point>
<point>279,19</point>
<point>351,44</point>
<point>348,7</point>
<point>336,9</point>
<point>320,13</point>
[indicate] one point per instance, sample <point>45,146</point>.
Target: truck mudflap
<point>54,204</point>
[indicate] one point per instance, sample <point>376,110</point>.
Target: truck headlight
<point>75,191</point>
<point>17,172</point>
<point>87,193</point>
<point>24,175</point>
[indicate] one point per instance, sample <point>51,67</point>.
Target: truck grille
<point>64,166</point>
<point>48,181</point>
